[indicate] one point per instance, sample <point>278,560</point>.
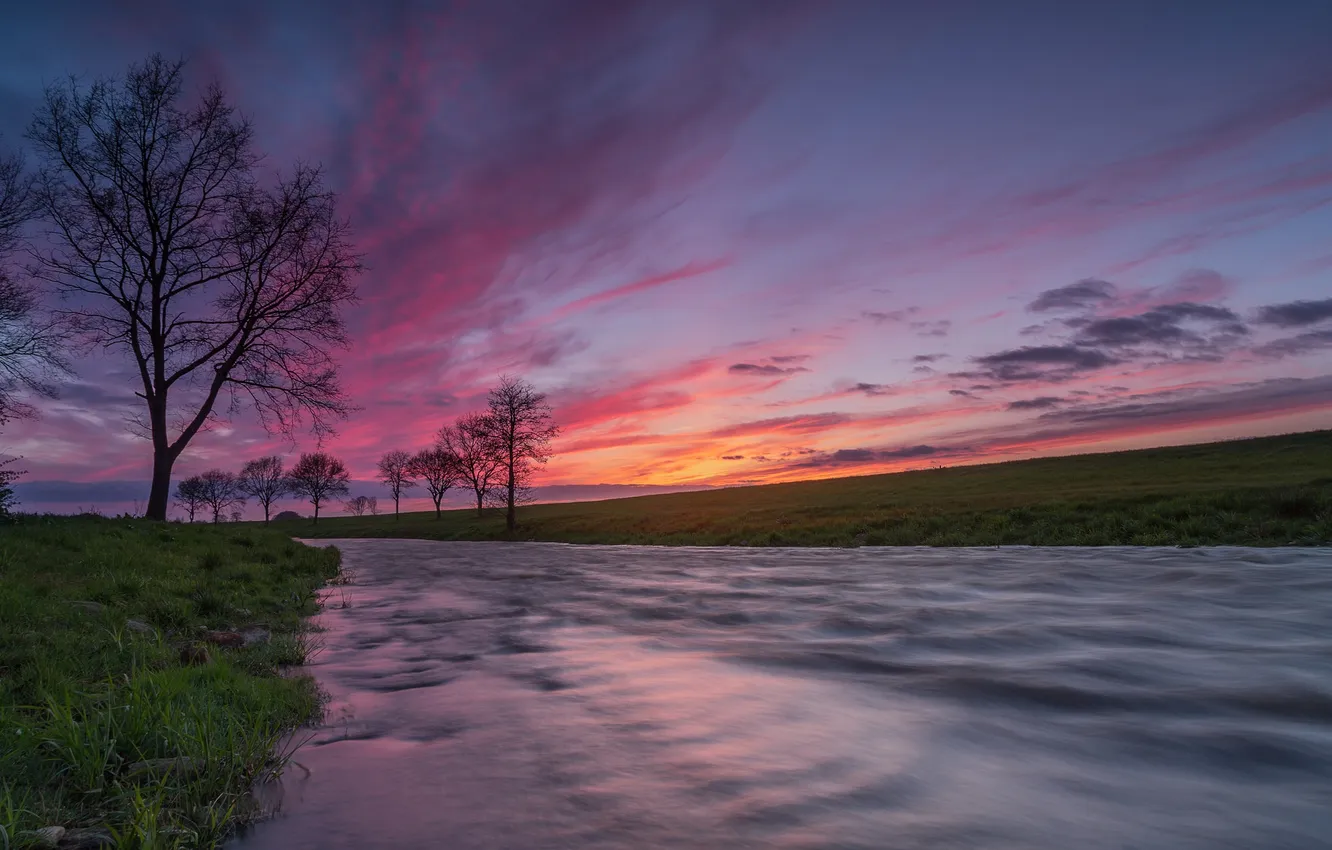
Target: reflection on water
<point>541,696</point>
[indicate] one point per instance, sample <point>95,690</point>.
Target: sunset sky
<point>750,242</point>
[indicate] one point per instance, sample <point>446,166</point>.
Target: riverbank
<point>140,693</point>
<point>1271,491</point>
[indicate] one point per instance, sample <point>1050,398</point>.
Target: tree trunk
<point>316,516</point>
<point>511,515</point>
<point>480,499</point>
<point>395,505</point>
<point>265,513</point>
<point>160,493</point>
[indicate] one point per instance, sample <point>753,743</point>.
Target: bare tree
<point>31,345</point>
<point>438,469</point>
<point>220,493</point>
<point>361,505</point>
<point>395,472</point>
<point>265,480</point>
<point>190,495</point>
<point>213,285</point>
<point>478,464</point>
<point>521,428</point>
<point>318,476</point>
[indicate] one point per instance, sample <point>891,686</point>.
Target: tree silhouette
<point>190,495</point>
<point>361,505</point>
<point>318,476</point>
<point>222,292</point>
<point>220,493</point>
<point>395,471</point>
<point>474,452</point>
<point>265,480</point>
<point>438,469</point>
<point>520,428</point>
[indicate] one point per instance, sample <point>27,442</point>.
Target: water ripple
<point>548,696</point>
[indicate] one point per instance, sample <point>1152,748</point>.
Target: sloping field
<point>1271,491</point>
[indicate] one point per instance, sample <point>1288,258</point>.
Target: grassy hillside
<point>1271,491</point>
<point>116,713</point>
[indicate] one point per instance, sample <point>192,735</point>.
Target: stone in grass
<point>46,837</point>
<point>140,627</point>
<point>90,607</point>
<point>156,768</point>
<point>90,838</point>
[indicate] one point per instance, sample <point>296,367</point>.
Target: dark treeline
<point>492,454</point>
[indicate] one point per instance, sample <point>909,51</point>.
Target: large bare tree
<point>521,428</point>
<point>477,462</point>
<point>222,291</point>
<point>31,346</point>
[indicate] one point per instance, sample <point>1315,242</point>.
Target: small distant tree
<point>372,505</point>
<point>220,493</point>
<point>361,505</point>
<point>521,428</point>
<point>318,476</point>
<point>190,495</point>
<point>265,480</point>
<point>475,459</point>
<point>395,472</point>
<point>438,469</point>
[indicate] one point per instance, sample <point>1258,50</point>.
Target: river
<point>492,695</point>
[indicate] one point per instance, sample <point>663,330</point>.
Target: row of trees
<point>317,476</point>
<point>492,453</point>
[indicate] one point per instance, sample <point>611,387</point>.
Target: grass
<point>86,692</point>
<point>1272,491</point>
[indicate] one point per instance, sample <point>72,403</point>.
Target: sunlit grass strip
<point>103,723</point>
<point>1274,491</point>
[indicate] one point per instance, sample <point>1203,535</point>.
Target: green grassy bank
<point>116,712</point>
<point>1273,491</point>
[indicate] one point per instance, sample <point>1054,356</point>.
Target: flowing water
<point>489,695</point>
